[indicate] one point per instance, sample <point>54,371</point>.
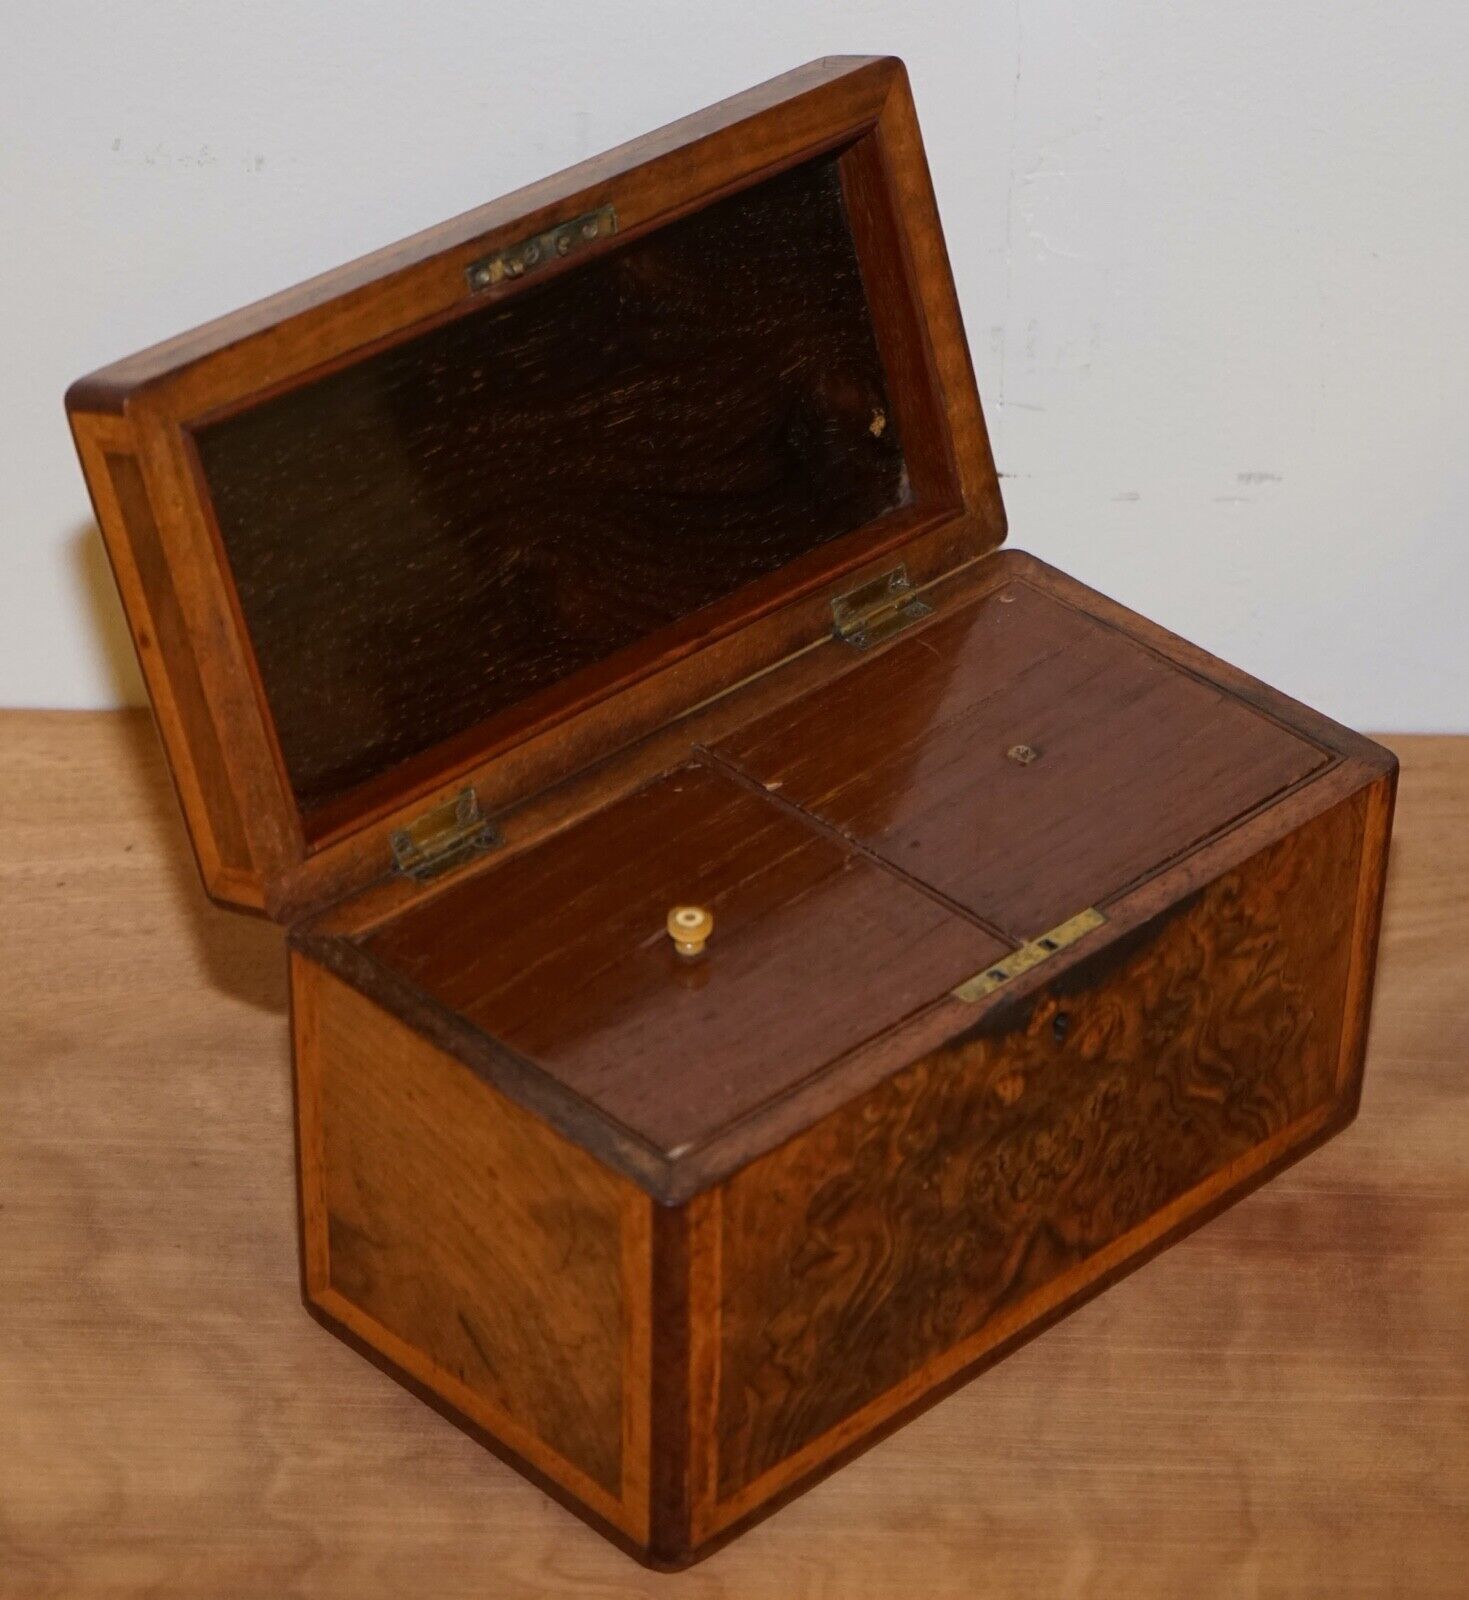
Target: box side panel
<point>991,1185</point>
<point>1379,801</point>
<point>493,1262</point>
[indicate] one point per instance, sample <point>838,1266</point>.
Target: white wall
<point>1213,260</point>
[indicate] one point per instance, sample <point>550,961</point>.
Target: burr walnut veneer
<point>633,543</point>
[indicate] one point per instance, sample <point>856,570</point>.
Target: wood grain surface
<point>432,534</point>
<point>901,1231</point>
<point>1278,1406</point>
<point>562,954</point>
<point>598,374</point>
<point>466,1229</point>
<point>1127,761</point>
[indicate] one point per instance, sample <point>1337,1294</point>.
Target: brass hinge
<point>1029,955</point>
<point>443,838</point>
<point>555,243</point>
<point>876,610</point>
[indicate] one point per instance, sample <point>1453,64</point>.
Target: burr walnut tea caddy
<point>628,550</point>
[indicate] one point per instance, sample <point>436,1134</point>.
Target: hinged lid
<point>476,509</point>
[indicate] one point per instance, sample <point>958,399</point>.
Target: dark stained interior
<point>450,527</point>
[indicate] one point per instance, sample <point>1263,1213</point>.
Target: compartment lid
<point>553,972</point>
<point>390,531</point>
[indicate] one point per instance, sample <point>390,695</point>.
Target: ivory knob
<point>689,927</point>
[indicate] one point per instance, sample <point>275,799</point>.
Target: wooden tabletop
<point>1278,1406</point>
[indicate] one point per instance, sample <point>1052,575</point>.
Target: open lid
<point>625,433</point>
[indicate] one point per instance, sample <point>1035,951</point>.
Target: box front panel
<point>474,1248</point>
<point>898,1241</point>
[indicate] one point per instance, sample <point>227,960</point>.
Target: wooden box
<point>633,543</point>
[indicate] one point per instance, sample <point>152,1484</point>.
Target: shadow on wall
<point>243,955</point>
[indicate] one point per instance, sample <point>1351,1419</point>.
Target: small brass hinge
<point>555,243</point>
<point>443,838</point>
<point>877,610</point>
<point>1029,955</point>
